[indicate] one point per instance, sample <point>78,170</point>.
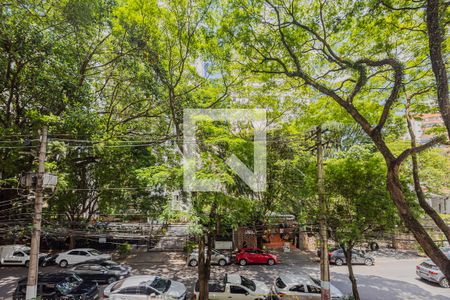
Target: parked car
<point>235,286</point>
<point>330,251</point>
<point>429,271</point>
<point>216,258</point>
<point>337,257</point>
<point>255,256</point>
<point>48,260</point>
<point>301,286</point>
<point>17,255</point>
<point>145,287</point>
<point>109,264</point>
<point>99,273</point>
<point>80,255</point>
<point>59,286</point>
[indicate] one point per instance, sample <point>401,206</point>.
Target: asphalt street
<point>388,279</point>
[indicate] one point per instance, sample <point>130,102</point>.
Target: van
<point>16,255</point>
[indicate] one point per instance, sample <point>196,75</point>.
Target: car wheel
<point>63,263</point>
<point>368,262</point>
<point>222,262</point>
<point>444,283</point>
<point>270,262</point>
<point>193,262</point>
<point>243,262</point>
<point>111,280</point>
<point>339,262</point>
<point>27,263</point>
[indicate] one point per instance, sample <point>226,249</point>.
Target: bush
<point>125,249</point>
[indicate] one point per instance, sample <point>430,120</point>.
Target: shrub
<point>125,249</point>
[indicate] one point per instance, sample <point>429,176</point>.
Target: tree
<point>304,41</point>
<point>359,205</point>
<point>434,14</point>
<point>68,64</point>
<point>409,111</point>
<point>436,23</point>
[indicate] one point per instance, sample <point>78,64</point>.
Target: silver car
<point>216,258</point>
<point>337,257</point>
<point>429,271</point>
<point>301,286</point>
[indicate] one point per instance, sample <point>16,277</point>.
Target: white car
<point>17,255</point>
<point>145,287</point>
<point>216,258</point>
<point>79,255</point>
<point>235,286</point>
<point>301,286</point>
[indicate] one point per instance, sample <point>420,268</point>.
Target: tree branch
<point>435,141</point>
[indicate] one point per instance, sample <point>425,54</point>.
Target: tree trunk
<point>436,10</point>
<point>204,265</point>
<point>202,270</point>
<point>417,185</point>
<point>351,275</point>
<point>423,238</point>
<point>72,240</point>
<point>204,259</point>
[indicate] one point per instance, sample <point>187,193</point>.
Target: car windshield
<point>70,283</point>
<point>315,280</point>
<point>160,284</point>
<point>95,252</point>
<point>248,283</point>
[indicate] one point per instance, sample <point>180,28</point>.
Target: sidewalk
<point>155,257</point>
<point>296,257</point>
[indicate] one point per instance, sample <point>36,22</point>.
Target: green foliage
<point>190,246</point>
<point>359,203</point>
<point>125,249</point>
<point>111,79</point>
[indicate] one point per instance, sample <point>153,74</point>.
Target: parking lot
<point>389,279</point>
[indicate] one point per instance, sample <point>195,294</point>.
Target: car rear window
<point>429,266</point>
<point>280,283</point>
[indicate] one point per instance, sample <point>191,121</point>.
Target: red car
<point>255,256</point>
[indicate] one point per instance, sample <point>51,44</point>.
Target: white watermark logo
<point>256,180</point>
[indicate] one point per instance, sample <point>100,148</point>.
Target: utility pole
<point>36,235</point>
<point>324,261</point>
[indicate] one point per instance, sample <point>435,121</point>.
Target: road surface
<point>389,279</point>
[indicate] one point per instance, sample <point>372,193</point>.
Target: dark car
<point>109,264</point>
<point>337,257</point>
<point>48,260</point>
<point>105,274</point>
<point>105,263</point>
<point>59,286</point>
